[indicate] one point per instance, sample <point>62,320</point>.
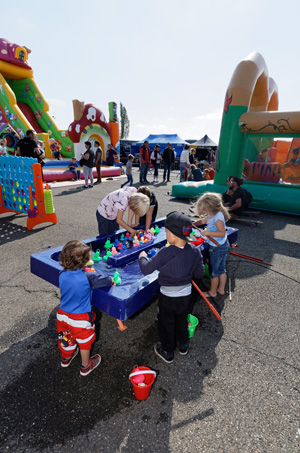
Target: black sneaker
<point>165,356</point>
<point>183,350</point>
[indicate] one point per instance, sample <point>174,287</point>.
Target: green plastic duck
<point>96,256</point>
<point>117,278</point>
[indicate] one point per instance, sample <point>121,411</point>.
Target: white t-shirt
<point>114,201</point>
<point>184,156</point>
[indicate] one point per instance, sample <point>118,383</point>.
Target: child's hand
<point>143,255</point>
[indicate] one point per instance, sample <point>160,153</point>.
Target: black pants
<point>172,321</point>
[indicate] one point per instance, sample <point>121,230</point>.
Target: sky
<point>169,62</point>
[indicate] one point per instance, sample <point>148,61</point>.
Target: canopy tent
<point>205,142</point>
<point>162,140</point>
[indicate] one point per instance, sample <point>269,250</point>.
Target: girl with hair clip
<point>216,215</point>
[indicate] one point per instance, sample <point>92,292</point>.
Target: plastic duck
<point>108,244</point>
<point>89,269</point>
<point>117,278</point>
<point>156,230</point>
<point>96,256</point>
<point>152,231</point>
<point>167,244</point>
<point>135,238</point>
<point>120,246</point>
<point>90,263</point>
<point>151,253</point>
<point>127,234</point>
<point>136,243</point>
<point>114,250</point>
<point>108,254</point>
<point>116,243</point>
<point>122,237</point>
<point>124,247</point>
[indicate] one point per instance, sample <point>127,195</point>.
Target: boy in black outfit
<point>177,264</point>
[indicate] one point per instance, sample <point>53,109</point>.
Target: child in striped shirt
<point>75,318</point>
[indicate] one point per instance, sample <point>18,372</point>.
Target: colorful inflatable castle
<point>89,125</point>
<point>254,143</point>
<point>22,105</point>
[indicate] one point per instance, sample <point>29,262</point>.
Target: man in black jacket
<point>168,158</point>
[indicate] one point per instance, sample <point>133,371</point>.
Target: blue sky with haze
<point>168,62</point>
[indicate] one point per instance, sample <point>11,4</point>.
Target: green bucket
<point>192,324</point>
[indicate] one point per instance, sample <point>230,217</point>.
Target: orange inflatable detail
<point>262,171</point>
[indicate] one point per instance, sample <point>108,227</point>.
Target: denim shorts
<point>217,255</point>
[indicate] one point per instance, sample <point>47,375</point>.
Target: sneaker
<point>85,187</point>
<point>164,355</point>
<point>169,180</point>
<point>66,362</point>
<point>97,182</point>
<point>183,350</point>
<point>93,363</point>
<point>121,186</point>
<point>164,180</point>
<point>91,185</point>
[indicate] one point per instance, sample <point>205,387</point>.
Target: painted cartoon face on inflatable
<point>13,53</point>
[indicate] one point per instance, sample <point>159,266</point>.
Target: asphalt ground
<point>237,390</point>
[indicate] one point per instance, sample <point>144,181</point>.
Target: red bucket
<point>142,379</point>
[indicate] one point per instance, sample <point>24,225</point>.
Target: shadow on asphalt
<point>10,231</point>
<point>48,405</point>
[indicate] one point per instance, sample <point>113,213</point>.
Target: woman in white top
<point>155,161</point>
<point>184,161</point>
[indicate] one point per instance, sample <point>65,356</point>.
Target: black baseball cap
<point>179,224</point>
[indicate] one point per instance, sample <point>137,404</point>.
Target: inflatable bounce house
<point>89,125</point>
<point>22,105</point>
<point>257,142</point>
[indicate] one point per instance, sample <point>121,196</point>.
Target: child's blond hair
<point>75,255</point>
<point>130,157</point>
<point>211,202</point>
<point>139,204</point>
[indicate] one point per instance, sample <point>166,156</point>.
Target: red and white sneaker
<point>66,362</point>
<point>93,363</point>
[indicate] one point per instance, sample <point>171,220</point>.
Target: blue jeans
<point>217,256</point>
<point>155,166</point>
<point>143,172</point>
<point>167,170</point>
<point>129,179</point>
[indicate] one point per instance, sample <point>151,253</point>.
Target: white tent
<point>205,142</point>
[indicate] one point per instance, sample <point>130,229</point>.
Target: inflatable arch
<point>250,124</point>
<point>90,124</point>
